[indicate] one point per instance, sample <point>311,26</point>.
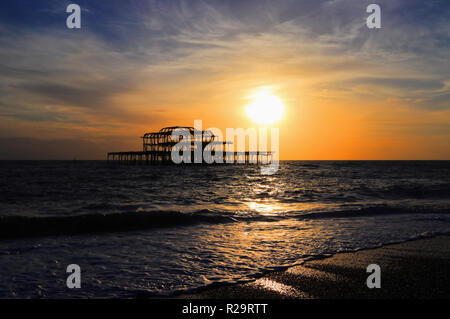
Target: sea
<point>161,230</point>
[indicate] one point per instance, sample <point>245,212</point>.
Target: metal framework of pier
<point>158,146</point>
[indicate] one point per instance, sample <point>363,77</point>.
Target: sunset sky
<point>349,92</point>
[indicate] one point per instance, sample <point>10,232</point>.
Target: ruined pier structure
<point>158,146</point>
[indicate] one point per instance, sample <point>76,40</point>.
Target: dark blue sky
<point>122,20</point>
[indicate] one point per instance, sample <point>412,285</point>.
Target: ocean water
<point>159,230</point>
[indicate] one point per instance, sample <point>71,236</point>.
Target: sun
<point>265,108</point>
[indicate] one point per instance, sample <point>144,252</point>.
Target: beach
<point>413,269</point>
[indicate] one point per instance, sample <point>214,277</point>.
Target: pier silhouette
<point>157,148</point>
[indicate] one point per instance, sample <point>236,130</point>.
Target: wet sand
<point>414,269</point>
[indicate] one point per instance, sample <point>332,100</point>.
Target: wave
<point>24,226</point>
<point>383,210</point>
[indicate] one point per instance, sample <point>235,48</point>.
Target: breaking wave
<point>24,226</point>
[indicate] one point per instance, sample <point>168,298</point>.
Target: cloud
<point>26,148</point>
<point>95,95</point>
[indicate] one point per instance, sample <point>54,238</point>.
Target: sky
<point>135,66</point>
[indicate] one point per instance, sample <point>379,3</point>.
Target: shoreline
<point>418,268</point>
